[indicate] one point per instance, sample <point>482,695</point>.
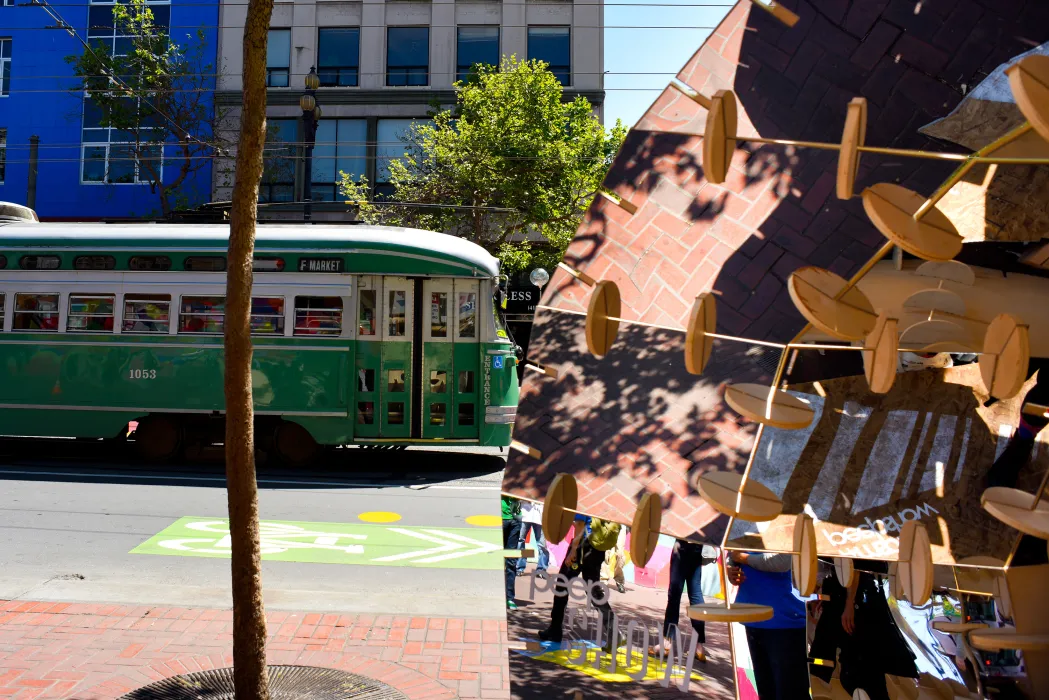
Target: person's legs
<point>522,562</point>
<point>692,571</point>
<point>785,650</point>
<point>554,632</point>
<point>511,535</point>
<point>764,675</point>
<point>540,543</point>
<point>677,585</point>
<point>591,571</point>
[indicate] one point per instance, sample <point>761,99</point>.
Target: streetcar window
<point>2,309</point>
<point>268,265</point>
<point>202,315</point>
<point>397,314</point>
<point>94,262</point>
<point>210,263</point>
<point>437,411</point>
<point>90,313</point>
<point>466,414</point>
<point>149,263</point>
<point>318,315</point>
<point>40,262</point>
<point>466,382</point>
<point>366,413</point>
<point>438,314</point>
<point>366,380</point>
<point>467,314</point>
<point>3,261</point>
<point>267,315</point>
<point>366,317</point>
<point>438,381</point>
<point>147,313</point>
<point>36,312</point>
<point>395,380</point>
<point>395,414</point>
<point>500,323</point>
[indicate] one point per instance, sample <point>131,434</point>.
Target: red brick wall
<point>636,420</point>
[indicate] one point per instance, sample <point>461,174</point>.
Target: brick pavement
<point>98,652</point>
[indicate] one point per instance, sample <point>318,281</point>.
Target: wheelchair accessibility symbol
<point>497,362</point>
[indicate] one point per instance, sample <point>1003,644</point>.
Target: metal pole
<point>307,174</point>
<point>34,153</point>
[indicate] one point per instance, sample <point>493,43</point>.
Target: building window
<point>114,156</point>
<point>278,58</point>
<point>103,32</point>
<point>476,45</point>
<point>278,170</point>
<point>393,143</point>
<point>552,45</point>
<point>3,155</point>
<point>5,67</point>
<point>341,148</point>
<point>338,56</point>
<point>408,56</point>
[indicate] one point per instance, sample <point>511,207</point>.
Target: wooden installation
<point>1024,511</point>
<point>765,405</point>
<point>644,531</point>
<point>581,276</point>
<point>844,571</point>
<point>851,141</point>
<point>1007,351</point>
<point>530,451</point>
<point>719,139</point>
<point>815,293</point>
<point>914,569</point>
<point>699,341</point>
<point>1029,81</point>
<point>804,565</point>
<point>935,300</point>
<point>740,612</point>
<point>624,204</point>
<point>948,271</point>
<point>562,498</point>
<point>727,493</point>
<point>894,209</point>
<point>602,324</point>
<point>880,355</point>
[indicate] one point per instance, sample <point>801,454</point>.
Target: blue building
<point>81,173</point>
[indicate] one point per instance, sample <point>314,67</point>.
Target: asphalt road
<point>70,516</point>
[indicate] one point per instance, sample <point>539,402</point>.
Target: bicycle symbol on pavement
<point>275,538</point>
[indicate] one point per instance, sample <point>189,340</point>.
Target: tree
<point>159,94</point>
<point>512,167</point>
<point>249,616</point>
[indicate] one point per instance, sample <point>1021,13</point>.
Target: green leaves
<point>511,167</point>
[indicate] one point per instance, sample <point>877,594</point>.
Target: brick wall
<point>636,420</point>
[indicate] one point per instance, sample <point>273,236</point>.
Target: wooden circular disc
<point>844,571</point>
<point>813,291</point>
<point>851,139</point>
<point>803,563</point>
<point>937,686</point>
<point>644,529</point>
<point>1029,81</point>
<point>698,345</point>
<point>979,575</point>
<point>957,627</point>
<point>757,504</point>
<point>719,136</point>
<point>904,688</point>
<point>563,493</point>
<point>1007,352</point>
<point>1002,598</point>
<point>951,346</point>
<point>751,401</point>
<point>739,612</point>
<point>895,582</point>
<point>860,694</point>
<point>915,563</point>
<point>948,271</point>
<point>881,356</point>
<point>935,300</point>
<point>926,333</point>
<point>1013,507</point>
<point>996,639</point>
<point>601,331</point>
<point>891,209</point>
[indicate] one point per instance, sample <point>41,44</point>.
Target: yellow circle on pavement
<point>379,516</point>
<point>485,520</point>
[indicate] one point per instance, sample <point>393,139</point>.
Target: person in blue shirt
<point>778,645</point>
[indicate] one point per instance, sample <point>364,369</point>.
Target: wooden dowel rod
<point>694,95</point>
<point>902,152</point>
<point>938,312</point>
<point>578,274</point>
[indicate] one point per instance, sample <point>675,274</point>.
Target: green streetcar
<point>363,335</point>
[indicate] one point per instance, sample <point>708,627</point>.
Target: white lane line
<point>146,477</point>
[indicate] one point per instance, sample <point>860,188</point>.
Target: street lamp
<point>311,114</point>
<point>539,277</point>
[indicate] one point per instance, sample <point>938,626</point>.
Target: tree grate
<point>286,683</point>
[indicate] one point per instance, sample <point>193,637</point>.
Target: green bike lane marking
<point>337,543</point>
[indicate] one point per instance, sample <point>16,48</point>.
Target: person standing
<point>686,569</point>
<point>777,646</point>
<point>511,540</point>
<point>592,538</point>
<point>532,521</point>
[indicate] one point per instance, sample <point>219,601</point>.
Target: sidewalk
<point>99,652</point>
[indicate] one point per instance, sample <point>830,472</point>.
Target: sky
<point>658,38</point>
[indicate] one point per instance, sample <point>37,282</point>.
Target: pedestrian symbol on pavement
<point>337,543</point>
<point>497,362</point>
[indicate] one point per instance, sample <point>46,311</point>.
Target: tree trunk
<point>249,617</point>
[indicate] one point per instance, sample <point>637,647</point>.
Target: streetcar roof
<point>268,237</point>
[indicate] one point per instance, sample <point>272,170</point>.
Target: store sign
<point>320,264</point>
<point>522,300</point>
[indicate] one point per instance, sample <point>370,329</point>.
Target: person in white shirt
<point>532,519</point>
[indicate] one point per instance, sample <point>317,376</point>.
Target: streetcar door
<point>466,385</point>
<point>368,358</point>
<point>395,404</point>
<point>438,364</point>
